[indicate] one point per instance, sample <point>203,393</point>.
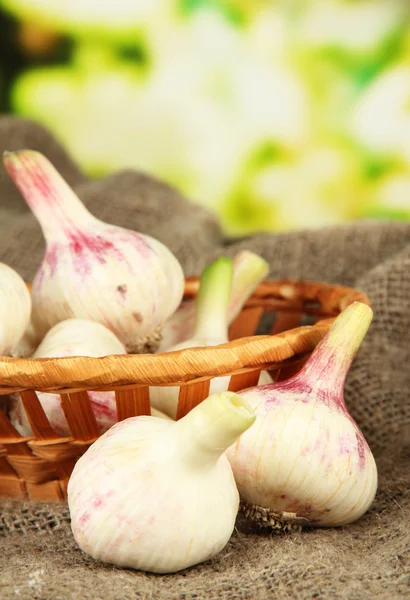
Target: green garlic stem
<point>211,317</point>
<point>249,270</point>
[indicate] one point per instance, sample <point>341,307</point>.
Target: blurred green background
<point>275,114</point>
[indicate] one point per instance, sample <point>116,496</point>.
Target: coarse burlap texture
<point>369,559</point>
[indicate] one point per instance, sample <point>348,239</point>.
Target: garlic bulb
<point>159,414</point>
<point>211,329</point>
<point>249,270</point>
<point>73,337</point>
<point>305,460</point>
<point>28,343</point>
<point>15,308</point>
<point>158,495</point>
<point>129,282</point>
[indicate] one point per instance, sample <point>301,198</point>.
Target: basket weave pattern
<point>38,467</point>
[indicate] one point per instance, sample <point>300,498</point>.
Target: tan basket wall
<point>38,467</point>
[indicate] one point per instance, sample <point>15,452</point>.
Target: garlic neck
<point>54,204</point>
<point>249,270</point>
<point>329,364</point>
<point>206,432</point>
<point>211,312</point>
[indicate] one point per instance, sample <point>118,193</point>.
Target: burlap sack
<point>369,559</point>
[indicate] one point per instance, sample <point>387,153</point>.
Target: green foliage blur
<point>275,114</point>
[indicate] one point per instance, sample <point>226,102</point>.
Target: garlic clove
<point>129,282</point>
<point>305,461</point>
<point>15,308</point>
<point>249,270</point>
<point>156,495</point>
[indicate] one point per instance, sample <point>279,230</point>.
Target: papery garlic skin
<point>73,337</point>
<point>160,415</point>
<point>249,270</point>
<point>15,308</point>
<point>129,282</point>
<point>28,343</point>
<point>305,459</point>
<point>159,496</point>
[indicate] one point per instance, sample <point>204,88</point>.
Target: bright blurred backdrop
<point>275,114</point>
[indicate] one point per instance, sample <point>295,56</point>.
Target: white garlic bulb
<point>305,460</point>
<point>249,270</point>
<point>15,308</point>
<point>129,282</point>
<point>73,337</point>
<point>211,329</point>
<point>157,495</point>
<point>28,343</point>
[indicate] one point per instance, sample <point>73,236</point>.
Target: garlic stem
<point>328,365</point>
<point>249,270</point>
<point>50,198</point>
<point>213,299</point>
<point>210,428</point>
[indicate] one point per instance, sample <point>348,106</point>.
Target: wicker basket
<point>38,467</point>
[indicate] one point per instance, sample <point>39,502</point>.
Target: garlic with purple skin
<point>15,308</point>
<point>211,329</point>
<point>305,461</point>
<point>157,495</point>
<point>249,270</point>
<point>129,282</point>
<point>73,337</point>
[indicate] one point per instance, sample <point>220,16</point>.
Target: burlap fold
<point>369,559</point>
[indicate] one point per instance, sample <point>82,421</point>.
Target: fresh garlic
<point>73,337</point>
<point>28,343</point>
<point>15,308</point>
<point>157,495</point>
<point>211,329</point>
<point>159,414</point>
<point>304,460</point>
<point>129,282</point>
<point>249,270</point>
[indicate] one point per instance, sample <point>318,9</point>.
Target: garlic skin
<point>160,415</point>
<point>249,270</point>
<point>156,495</point>
<point>73,337</point>
<point>129,282</point>
<point>211,329</point>
<point>28,343</point>
<point>304,460</point>
<point>15,309</point>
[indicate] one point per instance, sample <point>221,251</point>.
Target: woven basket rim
<point>116,371</point>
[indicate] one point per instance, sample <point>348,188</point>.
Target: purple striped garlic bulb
<point>127,281</point>
<point>304,460</point>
